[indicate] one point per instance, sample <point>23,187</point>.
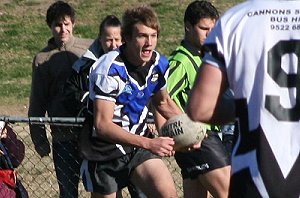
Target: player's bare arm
<point>205,104</point>
<point>159,119</point>
<point>106,129</point>
<point>165,105</point>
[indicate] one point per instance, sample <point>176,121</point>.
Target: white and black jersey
<point>257,43</point>
<point>113,78</point>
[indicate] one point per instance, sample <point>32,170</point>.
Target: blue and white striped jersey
<point>113,78</point>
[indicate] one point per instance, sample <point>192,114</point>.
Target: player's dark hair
<point>198,10</point>
<point>109,20</point>
<point>143,14</point>
<point>59,10</point>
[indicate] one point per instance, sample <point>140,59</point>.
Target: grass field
<point>23,32</point>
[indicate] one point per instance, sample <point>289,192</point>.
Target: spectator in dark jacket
<point>76,88</point>
<point>50,69</point>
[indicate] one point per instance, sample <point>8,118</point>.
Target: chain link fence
<point>38,175</point>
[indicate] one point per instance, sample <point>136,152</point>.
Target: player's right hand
<point>162,146</point>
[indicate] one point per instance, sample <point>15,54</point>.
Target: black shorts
<point>111,176</point>
<point>211,155</point>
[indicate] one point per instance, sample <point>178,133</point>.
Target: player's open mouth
<point>146,52</point>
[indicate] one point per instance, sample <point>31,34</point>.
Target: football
<point>184,131</point>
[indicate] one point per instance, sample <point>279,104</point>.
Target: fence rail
<point>45,120</point>
<point>38,175</point>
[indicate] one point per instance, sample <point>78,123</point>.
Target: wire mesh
<point>38,175</point>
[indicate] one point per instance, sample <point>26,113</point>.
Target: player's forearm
<point>113,133</point>
<point>167,108</point>
<point>159,120</point>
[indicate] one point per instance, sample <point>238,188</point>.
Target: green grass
<point>23,32</point>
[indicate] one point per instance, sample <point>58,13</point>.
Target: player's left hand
<point>193,147</point>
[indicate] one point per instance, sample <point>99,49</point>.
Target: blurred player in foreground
<point>262,69</point>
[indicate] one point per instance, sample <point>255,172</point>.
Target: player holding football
<point>262,69</point>
<point>122,82</point>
